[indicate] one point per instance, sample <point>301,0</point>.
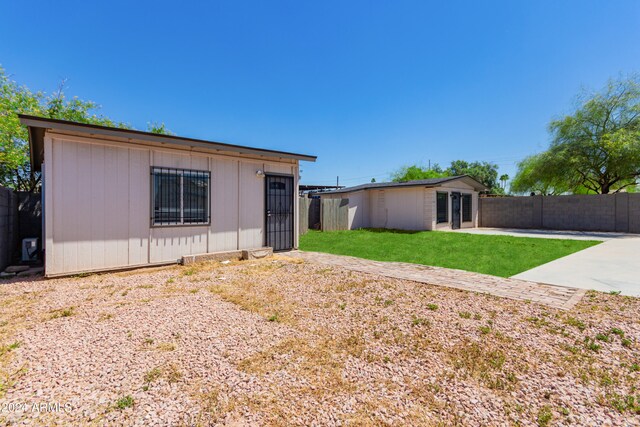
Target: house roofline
<point>478,186</point>
<point>39,125</point>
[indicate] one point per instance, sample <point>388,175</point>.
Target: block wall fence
<point>603,212</point>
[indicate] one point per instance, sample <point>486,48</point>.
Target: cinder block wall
<point>634,213</point>
<point>606,212</point>
<point>8,226</point>
<point>510,212</point>
<point>580,212</point>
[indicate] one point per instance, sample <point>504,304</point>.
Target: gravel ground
<point>284,342</point>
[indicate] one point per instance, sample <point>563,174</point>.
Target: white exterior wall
<point>358,210</point>
<point>98,204</point>
<point>398,208</point>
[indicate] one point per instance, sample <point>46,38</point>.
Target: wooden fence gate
<point>323,214</point>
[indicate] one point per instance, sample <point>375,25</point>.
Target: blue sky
<point>366,86</point>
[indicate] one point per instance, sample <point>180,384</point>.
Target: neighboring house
<point>427,204</point>
<point>117,198</point>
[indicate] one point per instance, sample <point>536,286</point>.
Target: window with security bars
<point>466,207</point>
<point>179,196</point>
<point>442,207</point>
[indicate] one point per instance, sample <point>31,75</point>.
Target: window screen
<point>442,207</point>
<point>466,207</point>
<point>179,196</point>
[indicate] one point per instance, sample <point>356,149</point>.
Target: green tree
<point>504,178</point>
<point>537,174</point>
<point>15,171</point>
<point>13,136</point>
<point>415,172</point>
<point>484,172</point>
<point>159,128</point>
<point>596,149</point>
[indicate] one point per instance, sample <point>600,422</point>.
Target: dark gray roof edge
<point>432,182</point>
<point>43,122</point>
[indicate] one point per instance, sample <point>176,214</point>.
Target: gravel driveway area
<point>283,341</point>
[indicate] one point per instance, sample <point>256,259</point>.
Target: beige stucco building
<point>116,198</point>
<point>429,204</point>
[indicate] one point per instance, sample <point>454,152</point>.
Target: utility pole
<point>429,164</point>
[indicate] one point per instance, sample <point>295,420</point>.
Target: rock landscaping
<point>284,341</point>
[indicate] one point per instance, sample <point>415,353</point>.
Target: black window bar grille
<point>466,207</point>
<point>442,207</point>
<point>179,196</point>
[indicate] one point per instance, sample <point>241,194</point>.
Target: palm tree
<point>504,178</point>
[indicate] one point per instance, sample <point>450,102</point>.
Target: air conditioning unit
<point>30,249</point>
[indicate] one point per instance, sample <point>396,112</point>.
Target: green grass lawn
<point>497,255</point>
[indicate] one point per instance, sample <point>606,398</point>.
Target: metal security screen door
<point>279,211</point>
<point>455,210</point>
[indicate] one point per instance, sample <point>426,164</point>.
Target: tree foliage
<point>596,149</point>
<point>158,128</point>
<point>484,172</point>
<point>15,171</point>
<point>415,172</point>
<point>504,178</point>
<point>536,174</point>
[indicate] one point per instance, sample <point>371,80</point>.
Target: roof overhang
<point>39,125</point>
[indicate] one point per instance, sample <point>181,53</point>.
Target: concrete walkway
<point>561,297</point>
<point>613,265</point>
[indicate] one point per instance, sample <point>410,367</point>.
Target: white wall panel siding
<point>139,206</point>
<point>404,208</point>
<point>83,207</point>
<point>119,223</point>
<point>168,244</point>
<point>171,160</point>
<point>223,233</point>
<point>67,179</point>
<point>251,206</point>
<point>98,205</point>
<point>358,209</point>
<point>378,209</point>
<point>285,169</point>
<point>98,179</point>
<point>47,208</point>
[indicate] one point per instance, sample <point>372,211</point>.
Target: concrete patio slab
<point>613,265</point>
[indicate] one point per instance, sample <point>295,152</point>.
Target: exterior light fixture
<point>260,173</point>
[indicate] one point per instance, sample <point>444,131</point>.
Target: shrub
<point>125,402</point>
